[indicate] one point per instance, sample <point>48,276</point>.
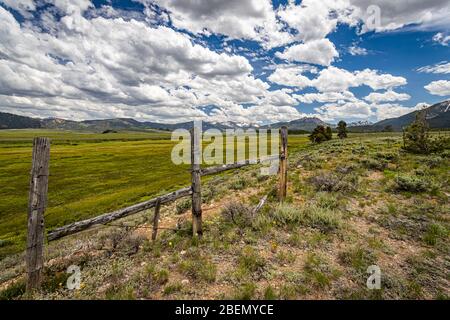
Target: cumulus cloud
<point>363,111</point>
<point>321,52</point>
<point>236,19</point>
<point>418,14</point>
<point>439,88</point>
<point>387,96</point>
<point>326,97</point>
<point>333,79</point>
<point>290,76</point>
<point>111,62</point>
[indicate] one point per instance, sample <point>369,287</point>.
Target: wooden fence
<point>38,200</point>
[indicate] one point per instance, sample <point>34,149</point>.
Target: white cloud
<point>387,96</point>
<point>357,51</point>
<point>388,111</point>
<point>290,76</point>
<point>358,110</point>
<point>236,19</point>
<point>120,65</point>
<point>430,14</point>
<point>377,81</point>
<point>312,19</point>
<point>441,39</point>
<point>321,52</point>
<point>439,88</point>
<point>333,79</point>
<point>24,7</point>
<point>439,68</point>
<point>326,97</point>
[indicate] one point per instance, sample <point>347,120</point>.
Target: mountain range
<point>438,117</point>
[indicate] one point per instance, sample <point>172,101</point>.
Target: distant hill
<point>303,124</point>
<point>12,121</point>
<point>438,117</point>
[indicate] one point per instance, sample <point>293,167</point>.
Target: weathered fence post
<point>156,219</point>
<point>283,164</point>
<point>36,207</point>
<point>196,182</point>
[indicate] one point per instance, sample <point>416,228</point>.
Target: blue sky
<point>248,61</point>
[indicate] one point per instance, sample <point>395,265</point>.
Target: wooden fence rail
<point>121,213</point>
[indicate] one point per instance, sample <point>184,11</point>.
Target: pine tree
<point>320,134</point>
<point>342,129</point>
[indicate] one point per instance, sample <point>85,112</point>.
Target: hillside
<point>307,124</point>
<point>438,117</point>
<point>12,121</point>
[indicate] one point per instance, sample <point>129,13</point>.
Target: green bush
<point>238,213</point>
<point>374,164</point>
<point>321,134</point>
<point>412,183</point>
<point>14,290</point>
<point>183,206</point>
<point>434,233</point>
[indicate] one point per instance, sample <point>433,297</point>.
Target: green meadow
<point>90,174</point>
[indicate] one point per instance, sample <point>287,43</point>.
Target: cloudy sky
<point>249,61</point>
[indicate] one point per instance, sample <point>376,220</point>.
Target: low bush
<point>238,213</point>
<point>412,183</point>
<point>374,164</point>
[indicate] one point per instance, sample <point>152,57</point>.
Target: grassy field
<point>90,174</point>
<point>351,204</point>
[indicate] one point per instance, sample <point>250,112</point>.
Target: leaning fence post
<point>36,207</point>
<point>156,219</point>
<point>196,182</point>
<point>283,164</point>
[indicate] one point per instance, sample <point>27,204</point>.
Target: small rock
<point>184,281</point>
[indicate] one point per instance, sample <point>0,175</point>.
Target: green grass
<point>90,174</point>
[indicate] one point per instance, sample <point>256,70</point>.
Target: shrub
<point>245,292</point>
<point>434,233</point>
<point>198,267</point>
<point>250,261</point>
<point>416,137</point>
<point>321,218</point>
<point>358,257</point>
<point>172,288</point>
<point>238,213</point>
<point>14,290</point>
<point>332,182</point>
<point>269,293</point>
<point>389,156</point>
<point>435,161</point>
<point>320,134</point>
<point>374,164</point>
<point>183,206</point>
<point>313,216</point>
<point>412,183</point>
<point>345,169</point>
<point>238,183</point>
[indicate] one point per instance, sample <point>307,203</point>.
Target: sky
<point>244,61</point>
